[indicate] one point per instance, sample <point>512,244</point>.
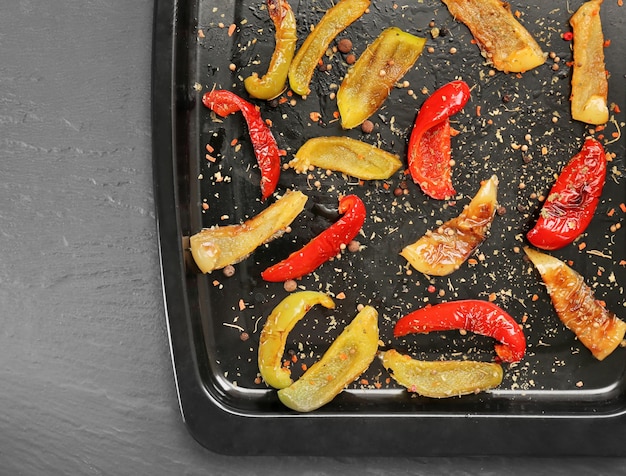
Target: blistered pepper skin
<point>597,328</point>
<point>273,82</point>
<point>443,250</point>
<point>573,199</point>
<point>368,82</point>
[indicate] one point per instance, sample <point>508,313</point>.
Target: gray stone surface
<point>86,385</point>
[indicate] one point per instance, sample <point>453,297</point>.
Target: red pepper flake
<point>341,295</point>
<point>582,246</point>
<point>364,381</point>
<point>620,3</point>
<point>233,142</point>
<point>478,111</point>
<point>607,43</point>
<point>622,207</point>
<point>231,29</point>
<point>431,289</point>
<point>492,297</point>
<point>472,261</point>
<point>611,212</point>
<point>304,367</point>
<point>209,148</point>
<point>622,262</point>
<point>294,358</point>
<point>616,109</point>
<point>535,297</point>
<point>315,116</point>
<point>568,36</point>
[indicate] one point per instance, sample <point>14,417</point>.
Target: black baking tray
<point>557,401</point>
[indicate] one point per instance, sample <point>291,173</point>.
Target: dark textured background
<point>86,385</point>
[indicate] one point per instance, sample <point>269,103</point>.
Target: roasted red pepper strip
<point>480,317</point>
<point>223,103</point>
<point>429,145</point>
<point>573,199</point>
<point>324,246</point>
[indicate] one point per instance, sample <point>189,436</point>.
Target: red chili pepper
<point>266,150</point>
<point>324,246</point>
<point>573,199</point>
<point>480,317</point>
<point>429,145</point>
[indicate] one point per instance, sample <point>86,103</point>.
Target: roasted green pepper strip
<point>334,21</point>
<point>369,81</point>
<point>214,248</point>
<point>441,379</point>
<point>273,83</point>
<point>350,354</point>
<point>276,329</point>
<point>350,156</point>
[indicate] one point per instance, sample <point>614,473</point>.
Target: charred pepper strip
<point>334,21</point>
<point>429,167</point>
<point>368,82</point>
<point>223,103</point>
<point>573,199</point>
<point>273,83</point>
<point>480,317</point>
<point>599,329</point>
<point>324,246</point>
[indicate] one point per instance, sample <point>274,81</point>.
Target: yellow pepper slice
<point>369,81</point>
<point>443,250</point>
<point>334,21</point>
<point>590,87</point>
<point>350,354</point>
<point>350,156</point>
<point>214,248</point>
<point>441,379</point>
<point>503,41</point>
<point>276,329</point>
<point>599,329</point>
<point>273,82</point>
